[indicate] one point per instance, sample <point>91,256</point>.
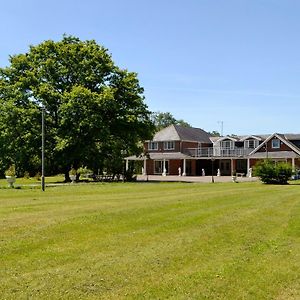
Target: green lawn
<point>151,241</point>
<point>32,181</point>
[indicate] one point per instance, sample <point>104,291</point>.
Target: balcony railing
<point>217,152</point>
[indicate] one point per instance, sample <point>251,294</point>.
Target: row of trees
<point>95,112</point>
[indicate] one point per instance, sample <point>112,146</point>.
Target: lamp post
<point>212,170</point>
<point>43,150</point>
<point>124,152</point>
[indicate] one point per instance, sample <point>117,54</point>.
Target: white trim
<point>280,138</point>
<point>277,146</point>
<point>152,143</point>
<point>231,145</point>
<point>226,138</point>
<point>251,137</point>
<point>166,145</point>
<point>255,143</point>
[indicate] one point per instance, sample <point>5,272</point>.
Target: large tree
<point>165,119</point>
<point>93,109</point>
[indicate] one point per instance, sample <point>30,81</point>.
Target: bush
<point>26,175</point>
<point>37,176</point>
<point>269,172</point>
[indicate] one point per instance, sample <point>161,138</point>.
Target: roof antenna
<point>221,123</point>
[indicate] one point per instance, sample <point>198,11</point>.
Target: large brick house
<point>177,150</point>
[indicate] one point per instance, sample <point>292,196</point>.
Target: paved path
<point>193,178</point>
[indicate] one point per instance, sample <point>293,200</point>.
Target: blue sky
<point>202,60</point>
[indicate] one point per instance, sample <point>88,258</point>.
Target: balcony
<point>217,152</point>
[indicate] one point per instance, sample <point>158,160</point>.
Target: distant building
<point>191,150</point>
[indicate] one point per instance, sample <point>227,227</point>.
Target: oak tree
<point>93,108</point>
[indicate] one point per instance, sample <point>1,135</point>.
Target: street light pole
<point>123,153</point>
<point>43,150</point>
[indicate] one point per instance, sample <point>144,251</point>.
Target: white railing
<point>218,152</point>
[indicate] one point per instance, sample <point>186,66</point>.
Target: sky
<point>207,62</point>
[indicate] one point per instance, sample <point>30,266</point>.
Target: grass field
<point>151,241</point>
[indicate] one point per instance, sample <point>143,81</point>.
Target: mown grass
<point>151,241</point>
<point>32,181</point>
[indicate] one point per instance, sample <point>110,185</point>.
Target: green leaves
<point>269,172</point>
<point>93,108</point>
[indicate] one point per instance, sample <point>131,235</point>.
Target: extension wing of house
<point>177,150</point>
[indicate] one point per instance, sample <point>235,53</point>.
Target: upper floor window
<point>275,144</point>
<point>153,146</point>
<point>251,144</point>
<point>228,144</point>
<point>170,145</point>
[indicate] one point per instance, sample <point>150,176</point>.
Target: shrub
<point>84,172</point>
<point>269,172</point>
<point>26,175</point>
<point>72,172</point>
<point>37,176</point>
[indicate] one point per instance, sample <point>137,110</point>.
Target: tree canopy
<point>165,119</point>
<point>214,133</point>
<point>94,110</point>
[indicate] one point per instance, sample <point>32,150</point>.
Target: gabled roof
<point>280,137</point>
<point>179,133</point>
<point>227,137</point>
<point>251,137</point>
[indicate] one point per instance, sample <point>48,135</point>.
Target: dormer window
<point>170,145</point>
<point>275,144</point>
<point>152,146</point>
<point>251,144</point>
<point>227,144</point>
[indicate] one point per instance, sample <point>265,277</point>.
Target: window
<point>169,145</point>
<point>251,144</point>
<point>275,144</point>
<point>152,146</point>
<point>227,144</point>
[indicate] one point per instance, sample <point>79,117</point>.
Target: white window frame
<point>247,144</point>
<point>231,144</point>
<point>153,146</point>
<point>169,145</point>
<point>277,145</point>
